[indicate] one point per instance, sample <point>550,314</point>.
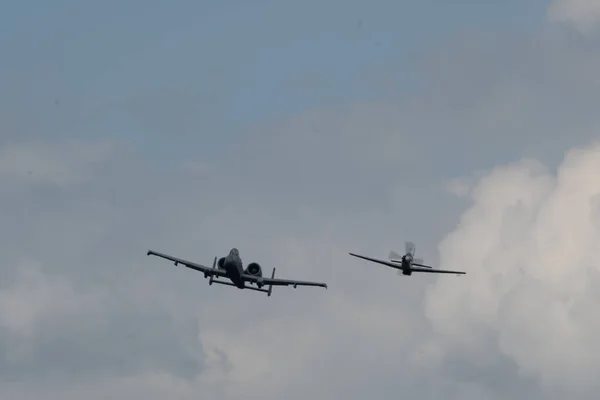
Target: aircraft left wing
<point>201,268</point>
<point>281,282</point>
<point>414,267</point>
<point>388,263</point>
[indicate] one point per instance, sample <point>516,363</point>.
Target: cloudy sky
<point>297,132</point>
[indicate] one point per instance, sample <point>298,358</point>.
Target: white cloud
<point>584,15</point>
<point>459,187</point>
<point>530,245</point>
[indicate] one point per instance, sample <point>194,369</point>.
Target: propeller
<point>395,257</point>
<point>410,247</point>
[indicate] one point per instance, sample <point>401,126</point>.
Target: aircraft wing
<point>281,282</point>
<point>438,271</point>
<point>414,267</point>
<point>205,270</point>
<point>388,263</point>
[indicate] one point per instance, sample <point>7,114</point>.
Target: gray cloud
<point>58,163</point>
<point>53,330</point>
<point>95,317</point>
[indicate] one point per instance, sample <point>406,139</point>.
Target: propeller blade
<point>394,256</point>
<point>410,247</point>
<point>418,261</point>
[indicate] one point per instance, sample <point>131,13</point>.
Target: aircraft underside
<point>231,273</point>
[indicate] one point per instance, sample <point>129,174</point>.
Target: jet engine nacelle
<point>221,263</point>
<point>254,269</point>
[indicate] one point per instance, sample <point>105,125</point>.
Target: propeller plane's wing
<point>207,271</point>
<point>419,267</point>
<point>383,262</point>
<point>426,268</point>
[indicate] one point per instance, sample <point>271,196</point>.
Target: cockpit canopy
<point>234,252</point>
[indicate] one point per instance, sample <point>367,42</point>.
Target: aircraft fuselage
<point>234,268</point>
<point>406,265</point>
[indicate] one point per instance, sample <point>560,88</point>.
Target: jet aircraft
<point>231,267</point>
<point>407,264</point>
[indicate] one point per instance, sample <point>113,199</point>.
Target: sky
<point>298,132</point>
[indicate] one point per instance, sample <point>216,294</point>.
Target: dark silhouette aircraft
<point>231,267</point>
<point>407,264</point>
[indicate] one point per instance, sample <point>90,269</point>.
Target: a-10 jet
<point>407,264</point>
<point>231,267</point>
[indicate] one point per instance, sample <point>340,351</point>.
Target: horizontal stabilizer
<point>419,264</point>
<point>246,287</point>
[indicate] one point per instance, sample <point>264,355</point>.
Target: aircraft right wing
<point>439,271</point>
<point>205,270</point>
<point>289,282</point>
<point>281,282</point>
<point>419,268</point>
